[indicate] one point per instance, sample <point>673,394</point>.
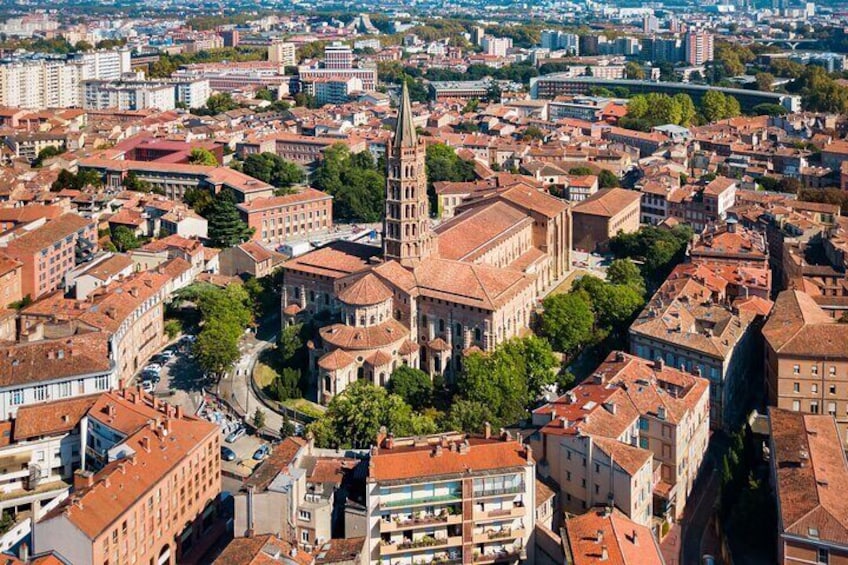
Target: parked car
<point>147,375</point>
<point>261,453</point>
<point>148,386</point>
<point>153,368</point>
<point>235,435</point>
<point>227,454</point>
<point>167,354</point>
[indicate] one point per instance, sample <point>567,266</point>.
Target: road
<point>698,514</point>
<point>235,385</point>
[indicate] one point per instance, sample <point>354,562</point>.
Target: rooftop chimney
<point>83,479</point>
<point>599,536</point>
<point>487,430</point>
<point>604,553</point>
<point>145,443</point>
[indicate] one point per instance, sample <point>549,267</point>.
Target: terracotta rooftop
<point>51,418</point>
<point>417,463</point>
<point>799,326</point>
<point>811,475</point>
<point>365,291</point>
<point>282,456</point>
<point>607,202</point>
<point>47,360</point>
<point>335,260</point>
<point>597,532</point>
<point>48,234</point>
<point>361,338</point>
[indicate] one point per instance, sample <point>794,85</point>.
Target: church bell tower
<point>406,229</point>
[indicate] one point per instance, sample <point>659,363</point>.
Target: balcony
<point>454,496</point>
<point>434,519</point>
<point>505,534</point>
<point>427,542</point>
<point>514,512</point>
<point>499,491</point>
<point>501,557</point>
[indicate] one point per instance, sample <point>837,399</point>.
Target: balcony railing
<point>454,496</point>
<point>502,557</point>
<point>514,512</point>
<point>427,542</point>
<point>499,491</point>
<point>437,519</point>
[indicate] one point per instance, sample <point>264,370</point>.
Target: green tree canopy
<point>124,239</point>
<point>273,169</point>
<point>46,153</point>
<point>226,228</point>
<point>625,272</point>
<point>443,164</point>
<point>201,156</point>
<point>414,386</point>
<point>567,321</point>
<point>354,181</point>
<point>354,417</point>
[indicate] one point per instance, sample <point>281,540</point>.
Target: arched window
<point>441,324</point>
<point>328,383</point>
<point>478,335</point>
<point>373,320</point>
<point>360,373</point>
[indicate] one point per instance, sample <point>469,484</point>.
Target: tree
<point>132,182</point>
<point>443,164</point>
<point>533,132</point>
<point>199,199</point>
<point>226,227</point>
<point>533,357</point>
<point>607,179</point>
<point>124,239</point>
<point>201,156</point>
<point>78,181</point>
<point>688,112</point>
<point>581,171</point>
<point>219,103</point>
<point>216,348</point>
<point>625,272</point>
<point>468,416</point>
<point>634,71</point>
<point>355,182</point>
<point>47,153</point>
<point>259,419</point>
<point>567,322</point>
<point>414,386</point>
<point>287,429</point>
<point>496,381</point>
<point>770,110</point>
<point>716,106</point>
<point>354,417</point>
<point>285,385</point>
<point>273,169</point>
<point>764,81</point>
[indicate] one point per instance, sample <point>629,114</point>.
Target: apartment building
<point>154,500</point>
<point>40,454</point>
<point>300,149</point>
<point>54,368</point>
<point>809,476</point>
<point>699,46</point>
<point>806,359</point>
<point>130,311</point>
<point>277,219</point>
<point>633,436</point>
<point>248,258</point>
<point>607,535</point>
<point>691,325</point>
<point>728,243</point>
<point>128,95</point>
<point>282,54</point>
<point>48,252</point>
<point>10,280</point>
<point>450,498</point>
<point>604,215</point>
<point>292,495</point>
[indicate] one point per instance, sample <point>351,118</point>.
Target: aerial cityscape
<point>438,282</point>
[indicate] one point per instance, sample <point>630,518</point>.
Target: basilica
<point>431,295</point>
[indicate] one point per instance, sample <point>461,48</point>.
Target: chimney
<point>604,553</point>
<point>133,292</point>
<point>437,451</point>
<point>83,479</point>
<point>635,538</point>
<point>487,430</point>
<point>599,536</point>
<point>166,427</point>
<point>23,552</point>
<point>178,413</point>
<point>145,443</point>
<point>659,364</point>
<point>661,412</point>
<point>619,356</point>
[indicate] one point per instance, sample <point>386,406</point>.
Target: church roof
<point>336,359</point>
<point>366,291</point>
<point>405,135</point>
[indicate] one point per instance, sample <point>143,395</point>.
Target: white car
<point>152,368</point>
<point>148,386</point>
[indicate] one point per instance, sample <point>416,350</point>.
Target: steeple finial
<point>405,135</point>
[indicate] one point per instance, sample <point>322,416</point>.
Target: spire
<point>405,135</point>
